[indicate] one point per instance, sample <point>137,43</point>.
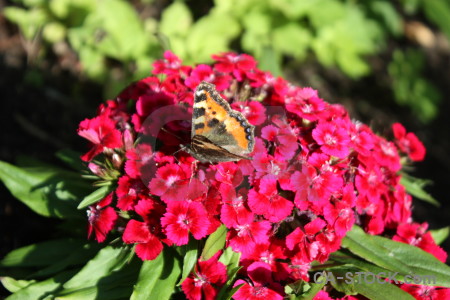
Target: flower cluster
<point>313,174</point>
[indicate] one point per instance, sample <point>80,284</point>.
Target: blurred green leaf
<point>410,88</point>
<point>29,21</point>
<point>71,158</point>
<point>50,192</point>
<point>292,39</point>
<point>176,20</point>
<point>54,32</point>
<point>13,285</point>
<point>438,11</point>
<point>270,61</point>
<point>209,35</point>
<point>387,12</point>
<point>415,187</point>
<point>440,235</point>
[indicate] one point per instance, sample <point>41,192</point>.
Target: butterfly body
<point>219,133</point>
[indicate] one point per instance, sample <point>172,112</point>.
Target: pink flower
<point>171,183</point>
<point>183,218</point>
<point>333,139</point>
<point>102,218</point>
<point>102,133</point>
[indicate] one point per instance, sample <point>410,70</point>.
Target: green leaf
<point>107,260</point>
<point>230,259</point>
<point>214,243</point>
<point>50,192</point>
<point>165,285</point>
<point>29,21</point>
<point>220,30</point>
<point>117,284</point>
<point>13,285</point>
<point>390,16</point>
<point>398,257</point>
<point>438,11</point>
<point>440,235</point>
<point>42,254</point>
<point>42,289</point>
<point>95,196</point>
<point>270,60</point>
<point>176,20</point>
<point>381,291</point>
<point>313,290</point>
<point>415,187</point>
<point>292,39</point>
<point>150,271</point>
<point>71,158</point>
<point>190,259</point>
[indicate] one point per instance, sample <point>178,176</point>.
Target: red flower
<point>262,285</point>
<point>129,191</point>
<point>182,218</point>
<point>206,280</point>
<point>102,218</point>
<point>416,235</point>
<point>102,133</point>
<point>146,234</point>
<point>423,292</point>
<point>239,65</point>
<point>408,143</point>
<point>206,73</point>
<point>267,202</point>
<point>304,241</point>
<point>245,236</point>
<point>234,210</point>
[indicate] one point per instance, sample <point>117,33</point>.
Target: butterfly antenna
<point>165,130</point>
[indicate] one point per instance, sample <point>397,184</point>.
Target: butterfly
<point>218,133</point>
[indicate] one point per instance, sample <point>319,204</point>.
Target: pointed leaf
<point>95,196</point>
<point>190,259</point>
<point>440,235</point>
<point>148,276</point>
<point>50,192</point>
<point>398,257</point>
<point>106,261</point>
<point>214,243</point>
<point>42,254</point>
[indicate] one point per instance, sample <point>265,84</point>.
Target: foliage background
<point>386,61</point>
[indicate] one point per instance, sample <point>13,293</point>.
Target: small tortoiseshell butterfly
<point>219,133</point>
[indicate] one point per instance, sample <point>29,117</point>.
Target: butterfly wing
<point>206,151</point>
<point>214,119</point>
